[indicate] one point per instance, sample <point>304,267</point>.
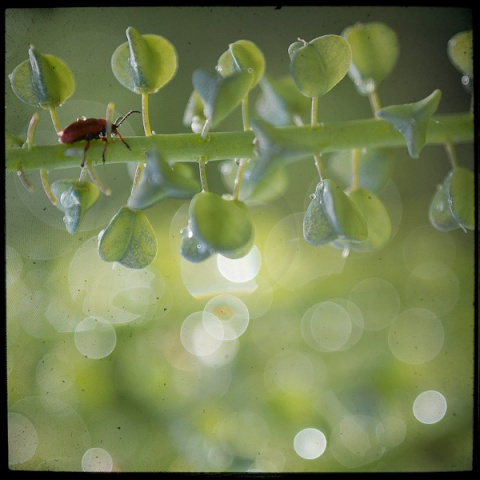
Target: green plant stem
<point>374,102</point>
<point>188,147</point>
<point>146,115</point>
<point>202,164</point>
<point>451,154</point>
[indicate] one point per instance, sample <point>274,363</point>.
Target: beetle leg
<point>87,146</point>
<point>104,149</point>
<point>124,142</point>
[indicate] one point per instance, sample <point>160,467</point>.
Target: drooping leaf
<point>346,218</point>
<point>128,239</point>
<point>275,150</point>
<point>453,205</point>
<point>43,80</point>
<point>377,218</point>
<point>220,96</point>
<point>280,103</point>
<point>317,227</point>
<point>145,63</point>
<point>460,184</point>
<point>159,180</point>
<point>375,50</point>
<point>440,213</point>
<point>75,198</point>
<point>317,66</point>
<point>411,120</point>
<point>221,225</point>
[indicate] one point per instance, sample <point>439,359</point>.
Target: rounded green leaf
<point>191,248</point>
<point>220,96</point>
<point>317,227</point>
<point>375,51</point>
<point>74,198</point>
<point>460,184</point>
<point>319,65</point>
<point>347,220</point>
<point>145,63</point>
<point>221,225</point>
<point>128,239</point>
<point>378,221</point>
<point>439,213</point>
<point>43,80</point>
<point>460,52</point>
<point>242,56</point>
<point>160,180</point>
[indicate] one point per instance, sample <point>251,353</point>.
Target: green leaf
<point>453,205</point>
<point>221,225</point>
<point>439,213</point>
<point>12,141</point>
<point>317,227</point>
<point>375,168</point>
<point>347,220</point>
<point>220,96</point>
<point>43,80</point>
<point>191,248</point>
<point>280,102</point>
<point>275,150</point>
<point>75,198</point>
<point>375,51</point>
<point>460,184</point>
<point>317,66</point>
<point>128,239</point>
<point>266,189</point>
<point>159,180</point>
<point>411,120</point>
<point>378,221</point>
<point>145,63</point>
<point>242,56</point>
<point>460,52</point>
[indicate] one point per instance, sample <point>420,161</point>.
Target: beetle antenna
<point>120,120</point>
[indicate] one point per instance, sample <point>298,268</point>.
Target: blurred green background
<point>296,359</point>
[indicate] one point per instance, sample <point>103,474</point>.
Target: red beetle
<point>92,129</point>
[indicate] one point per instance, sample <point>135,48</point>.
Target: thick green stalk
<point>188,147</point>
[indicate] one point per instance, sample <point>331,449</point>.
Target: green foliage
<point>460,52</point>
<point>220,95</point>
<point>375,50</point>
<point>242,56</point>
<point>145,63</point>
<point>75,198</point>
<point>378,222</point>
<point>411,120</point>
<point>374,168</point>
<point>128,239</point>
<point>280,102</point>
<point>453,205</point>
<point>331,214</point>
<point>317,66</point>
<point>43,80</point>
<point>343,211</point>
<point>221,225</point>
<point>159,180</point>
